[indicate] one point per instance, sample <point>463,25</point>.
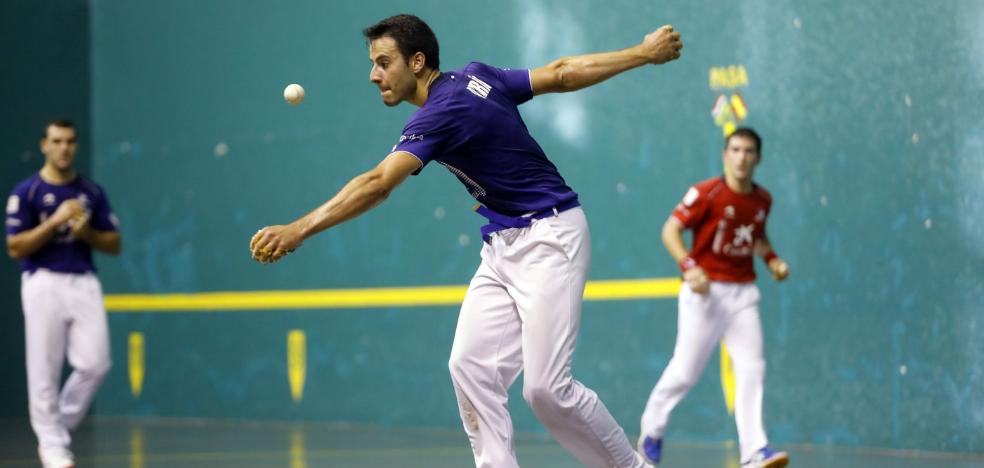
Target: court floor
<point>152,443</point>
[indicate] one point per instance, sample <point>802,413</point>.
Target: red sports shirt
<point>726,225</point>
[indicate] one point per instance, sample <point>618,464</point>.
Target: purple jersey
<point>34,200</point>
<point>471,125</point>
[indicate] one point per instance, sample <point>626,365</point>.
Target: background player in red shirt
<point>719,298</point>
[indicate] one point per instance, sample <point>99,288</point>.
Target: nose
<point>375,76</point>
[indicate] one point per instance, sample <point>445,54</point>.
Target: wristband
<point>770,256</point>
<point>687,263</point>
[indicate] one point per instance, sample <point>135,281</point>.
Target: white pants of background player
<point>522,313</point>
<point>730,311</point>
<point>63,315</point>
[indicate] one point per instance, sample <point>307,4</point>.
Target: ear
<point>417,62</point>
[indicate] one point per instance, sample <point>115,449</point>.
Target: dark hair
<point>63,123</point>
<point>411,34</point>
<point>746,132</point>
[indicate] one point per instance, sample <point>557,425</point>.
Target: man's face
<point>740,157</point>
<point>390,72</point>
<point>59,146</point>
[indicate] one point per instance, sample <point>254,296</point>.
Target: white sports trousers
<point>64,316</point>
<point>522,313</point>
<point>729,311</point>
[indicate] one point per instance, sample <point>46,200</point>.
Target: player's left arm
<point>359,195</point>
<point>777,266</point>
<point>104,241</point>
<point>98,227</point>
<point>580,71</point>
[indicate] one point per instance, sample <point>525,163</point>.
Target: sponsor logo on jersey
<point>48,199</point>
<point>479,87</point>
<point>729,212</point>
<point>743,234</point>
<point>760,216</point>
<point>411,137</point>
<point>13,204</point>
<point>691,196</point>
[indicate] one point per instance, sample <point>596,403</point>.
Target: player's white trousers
<point>730,311</point>
<point>522,313</point>
<point>63,315</point>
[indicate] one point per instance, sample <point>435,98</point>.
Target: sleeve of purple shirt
<point>103,218</point>
<point>428,134</point>
<point>518,83</point>
<point>21,216</point>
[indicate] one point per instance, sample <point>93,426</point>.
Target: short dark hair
<point>746,132</point>
<point>63,123</point>
<point>411,34</point>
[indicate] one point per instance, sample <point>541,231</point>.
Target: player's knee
<point>749,367</point>
<point>538,396</point>
<point>685,379</point>
<point>543,396</point>
<point>459,365</point>
<point>96,370</point>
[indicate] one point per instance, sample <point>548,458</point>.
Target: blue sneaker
<point>767,458</point>
<point>650,449</point>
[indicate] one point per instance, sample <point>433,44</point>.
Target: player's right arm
<point>27,242</point>
<point>580,71</point>
<point>359,195</point>
<point>693,275</point>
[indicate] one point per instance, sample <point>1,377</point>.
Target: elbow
<point>381,193</point>
<point>14,251</point>
<point>114,246</point>
<point>667,241</point>
<point>377,189</point>
<point>672,232</point>
<point>564,75</point>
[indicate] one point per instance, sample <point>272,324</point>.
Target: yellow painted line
<point>727,379</point>
<point>601,290</point>
<point>296,364</point>
<point>613,290</point>
<point>136,362</point>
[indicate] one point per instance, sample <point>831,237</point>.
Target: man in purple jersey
<point>523,306</point>
<point>54,220</point>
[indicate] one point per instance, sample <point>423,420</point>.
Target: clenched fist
<point>662,45</point>
<point>696,278</point>
<point>779,269</point>
<point>274,242</point>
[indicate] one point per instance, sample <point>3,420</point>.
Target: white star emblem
<point>743,234</point>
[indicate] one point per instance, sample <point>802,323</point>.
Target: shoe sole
<point>777,462</point>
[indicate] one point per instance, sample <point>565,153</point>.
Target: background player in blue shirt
<point>523,306</point>
<point>54,220</point>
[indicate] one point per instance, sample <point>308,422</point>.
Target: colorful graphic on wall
<point>729,108</point>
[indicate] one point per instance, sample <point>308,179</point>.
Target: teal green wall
<point>872,119</point>
<point>45,74</point>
